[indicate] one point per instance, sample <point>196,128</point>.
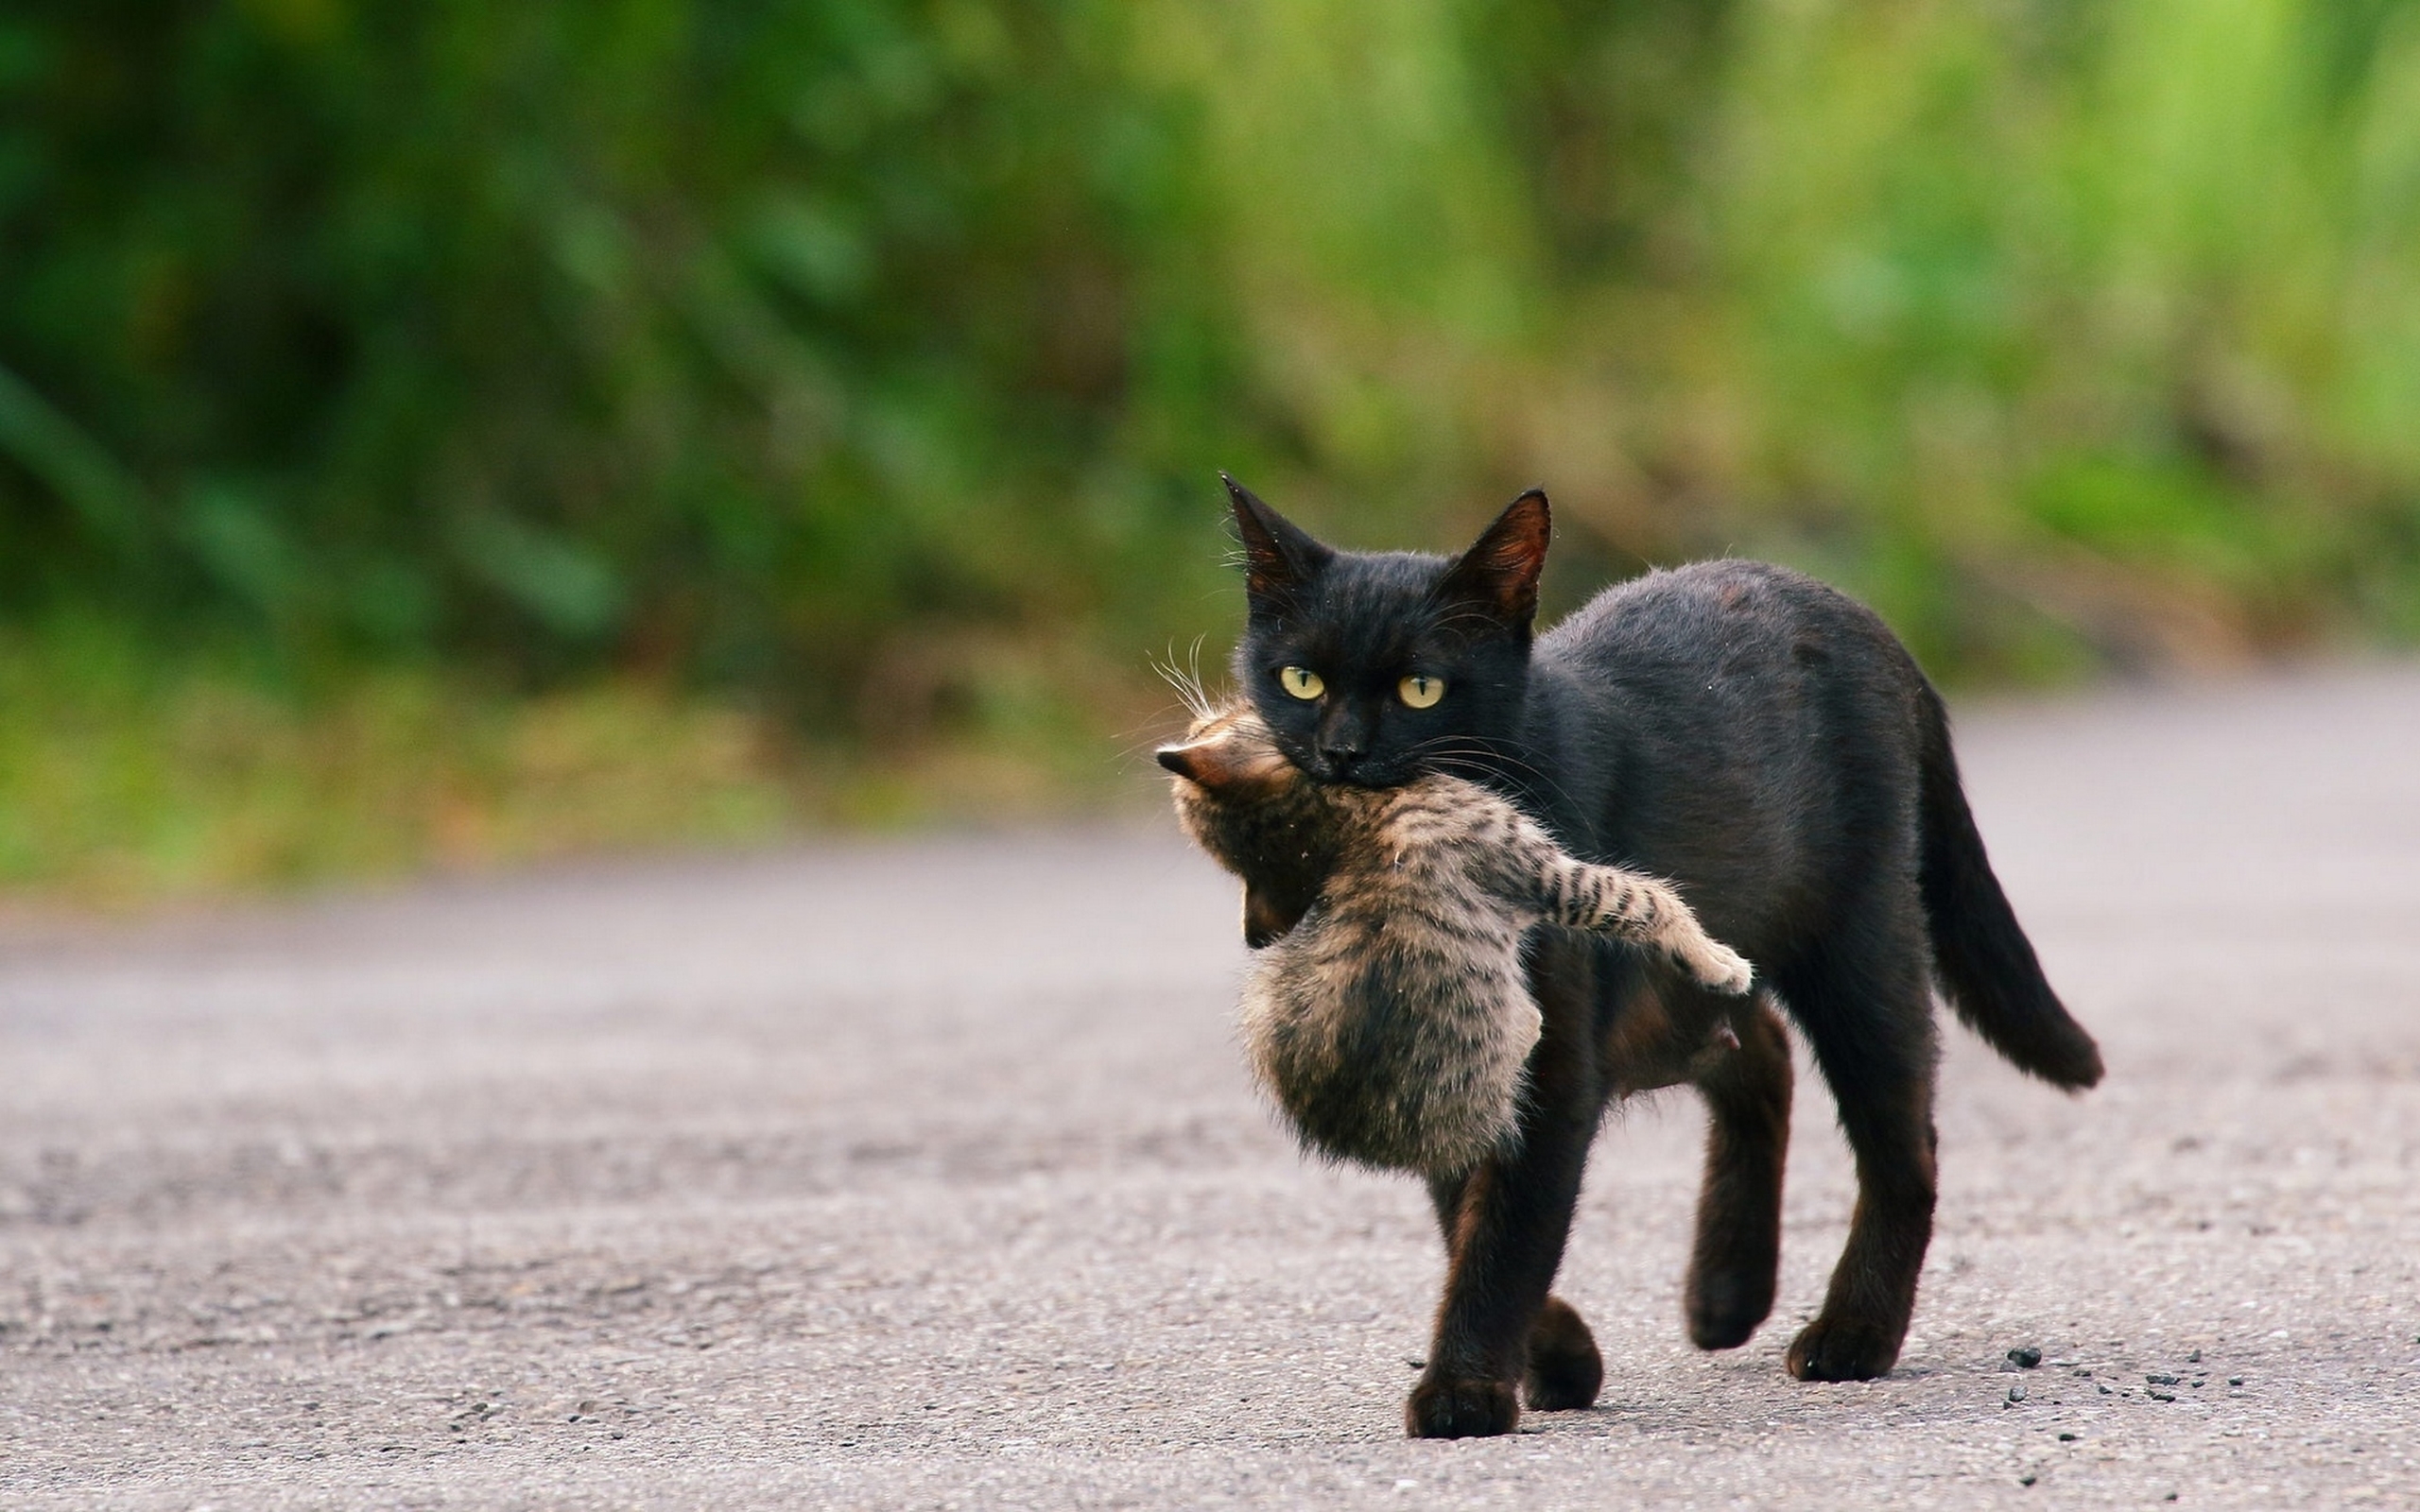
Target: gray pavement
<point>925,1174</point>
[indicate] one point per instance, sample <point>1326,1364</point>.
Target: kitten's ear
<point>1500,573</point>
<point>1207,763</point>
<point>1278,556</point>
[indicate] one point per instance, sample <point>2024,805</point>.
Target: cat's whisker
<point>1186,678</point>
<point>1507,757</point>
<point>1206,709</point>
<point>1477,772</point>
<point>1463,757</point>
<point>1140,742</point>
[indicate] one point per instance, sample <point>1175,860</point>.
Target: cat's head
<point>1370,667</point>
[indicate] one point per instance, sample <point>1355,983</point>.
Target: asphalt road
<point>925,1174</point>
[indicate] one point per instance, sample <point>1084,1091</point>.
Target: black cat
<point>1770,746</point>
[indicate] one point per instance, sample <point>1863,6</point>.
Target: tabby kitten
<point>1768,745</point>
<point>1389,1017</point>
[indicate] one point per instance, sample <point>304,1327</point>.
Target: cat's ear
<point>1278,556</point>
<point>1499,574</point>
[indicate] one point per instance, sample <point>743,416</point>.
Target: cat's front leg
<point>1490,1315</point>
<point>1505,1223</point>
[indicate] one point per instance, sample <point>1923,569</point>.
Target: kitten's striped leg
<point>1639,908</point>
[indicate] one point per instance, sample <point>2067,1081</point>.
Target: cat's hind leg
<point>1868,1015</point>
<point>1738,1253</point>
<point>1566,1371</point>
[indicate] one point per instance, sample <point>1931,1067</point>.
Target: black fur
<point>1768,745</point>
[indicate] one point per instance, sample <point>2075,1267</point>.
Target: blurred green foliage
<point>120,783</point>
<point>863,363</point>
<point>759,342</point>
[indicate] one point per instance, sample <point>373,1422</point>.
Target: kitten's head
<point>1241,801</point>
<point>1367,666</point>
<point>1229,756</point>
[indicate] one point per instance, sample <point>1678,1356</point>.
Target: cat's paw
<point>1457,1408</point>
<point>1843,1349</point>
<point>1725,1304</point>
<point>1566,1371</point>
<point>1715,965</point>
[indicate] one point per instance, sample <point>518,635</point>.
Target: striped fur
<point>1388,1015</point>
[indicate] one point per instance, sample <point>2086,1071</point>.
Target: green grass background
<point>441,432</point>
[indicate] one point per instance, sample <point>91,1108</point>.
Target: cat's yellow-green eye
<point>1420,690</point>
<point>1302,682</point>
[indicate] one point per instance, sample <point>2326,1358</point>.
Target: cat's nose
<point>1342,739</point>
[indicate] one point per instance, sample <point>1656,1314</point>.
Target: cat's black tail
<point>1987,965</point>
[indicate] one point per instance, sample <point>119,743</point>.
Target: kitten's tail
<point>1987,965</point>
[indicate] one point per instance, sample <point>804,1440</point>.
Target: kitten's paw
<point>1843,1349</point>
<point>1449,1407</point>
<point>1566,1371</point>
<point>1718,966</point>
